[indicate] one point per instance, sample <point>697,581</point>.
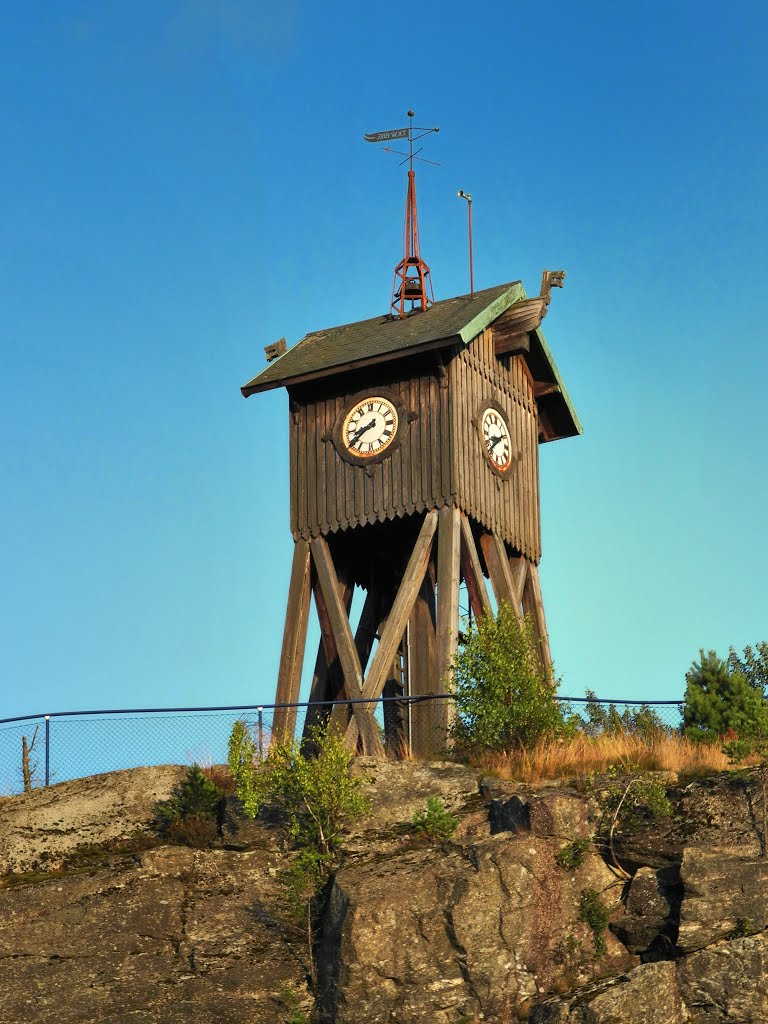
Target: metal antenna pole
<point>412,281</point>
<point>468,197</point>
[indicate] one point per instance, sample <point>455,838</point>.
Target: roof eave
<point>562,393</point>
<point>253,387</point>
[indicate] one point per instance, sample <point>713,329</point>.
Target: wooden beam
<point>507,343</point>
<point>365,634</point>
<point>448,575</point>
<point>327,679</point>
<point>496,559</point>
<point>337,616</point>
<point>400,612</point>
<point>345,644</point>
<point>534,599</point>
<point>473,573</point>
<point>545,387</point>
<point>294,641</point>
<point>422,667</point>
<point>518,570</point>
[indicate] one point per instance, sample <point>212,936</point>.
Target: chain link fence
<point>71,745</point>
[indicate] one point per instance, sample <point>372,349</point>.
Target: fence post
<point>47,749</point>
<point>259,711</point>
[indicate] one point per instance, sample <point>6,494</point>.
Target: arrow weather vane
<point>412,275</point>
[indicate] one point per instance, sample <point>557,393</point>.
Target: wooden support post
<point>496,559</point>
<point>294,641</point>
<point>365,634</point>
<point>532,597</point>
<point>327,680</point>
<point>518,569</point>
<point>448,576</point>
<point>422,667</point>
<point>345,644</point>
<point>472,572</point>
<point>401,610</point>
<point>338,618</point>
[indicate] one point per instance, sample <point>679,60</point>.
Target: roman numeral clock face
<point>496,439</point>
<point>369,427</point>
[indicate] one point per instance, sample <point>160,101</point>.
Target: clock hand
<point>494,441</point>
<point>362,430</point>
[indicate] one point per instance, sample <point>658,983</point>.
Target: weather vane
<point>413,282</point>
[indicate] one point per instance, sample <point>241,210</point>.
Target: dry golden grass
<point>585,755</point>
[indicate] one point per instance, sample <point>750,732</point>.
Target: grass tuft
<point>585,755</point>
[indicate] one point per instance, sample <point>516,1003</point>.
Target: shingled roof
<point>351,346</point>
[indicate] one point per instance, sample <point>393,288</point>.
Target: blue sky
<point>184,183</point>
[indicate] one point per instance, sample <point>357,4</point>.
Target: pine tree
<point>719,698</point>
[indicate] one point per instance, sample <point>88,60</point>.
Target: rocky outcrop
<point>100,921</point>
<point>483,925</point>
<point>40,829</point>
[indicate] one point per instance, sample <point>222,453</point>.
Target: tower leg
<point>534,606</point>
<point>448,577</point>
<point>422,669</point>
<point>294,642</point>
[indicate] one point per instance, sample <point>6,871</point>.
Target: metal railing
<point>67,745</point>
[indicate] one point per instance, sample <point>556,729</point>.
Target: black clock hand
<point>362,430</point>
<point>494,441</point>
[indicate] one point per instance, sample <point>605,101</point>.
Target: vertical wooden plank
<point>415,445</point>
<point>443,405</point>
<point>473,573</point>
<point>301,468</point>
<point>435,442</point>
<point>294,641</point>
<point>425,460</point>
<point>311,456</point>
<point>322,477</point>
<point>293,462</point>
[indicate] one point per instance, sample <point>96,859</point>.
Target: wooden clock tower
<point>413,466</point>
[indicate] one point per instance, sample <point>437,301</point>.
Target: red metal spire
<point>413,282</point>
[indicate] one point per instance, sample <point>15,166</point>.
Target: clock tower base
<point>407,634</point>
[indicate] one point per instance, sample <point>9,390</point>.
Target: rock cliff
<point>100,922</point>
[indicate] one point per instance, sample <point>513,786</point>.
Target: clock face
<point>369,427</point>
<point>496,438</point>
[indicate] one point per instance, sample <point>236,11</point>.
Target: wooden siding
<point>440,458</point>
<point>509,507</point>
<point>328,494</point>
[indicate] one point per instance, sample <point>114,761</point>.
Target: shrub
<point>316,793</point>
<point>192,812</point>
<point>753,664</point>
<point>436,822</point>
<point>636,798</point>
<point>573,855</point>
<point>719,698</point>
<point>594,913</point>
<point>643,722</point>
<point>503,693</point>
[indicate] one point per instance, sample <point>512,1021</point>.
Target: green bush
<point>594,913</point>
<point>316,793</point>
<point>436,822</point>
<point>601,720</point>
<point>503,692</point>
<point>720,700</point>
<point>191,813</point>
<point>573,855</point>
<point>753,664</point>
